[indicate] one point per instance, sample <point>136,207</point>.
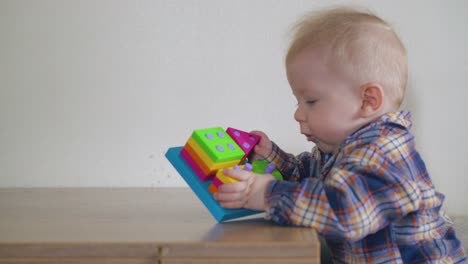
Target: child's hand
<point>263,148</point>
<point>248,192</point>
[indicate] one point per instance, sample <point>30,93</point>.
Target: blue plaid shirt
<point>372,200</point>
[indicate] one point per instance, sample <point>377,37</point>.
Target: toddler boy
<point>364,187</point>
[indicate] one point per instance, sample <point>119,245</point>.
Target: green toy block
<point>259,166</point>
<point>219,146</point>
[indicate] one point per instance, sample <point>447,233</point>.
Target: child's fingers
<point>236,187</point>
<point>259,133</point>
<point>232,205</point>
<point>231,200</point>
<point>235,195</point>
<point>258,149</point>
<point>240,175</point>
<point>263,148</point>
<point>263,137</point>
<point>245,179</point>
<point>230,196</point>
<point>261,152</point>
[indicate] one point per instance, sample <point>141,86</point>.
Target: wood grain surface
<point>137,225</point>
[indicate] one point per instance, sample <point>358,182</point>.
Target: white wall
<point>92,93</point>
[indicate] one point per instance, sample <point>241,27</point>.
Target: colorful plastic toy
<point>211,149</point>
<point>204,156</point>
<point>263,167</point>
<point>245,140</point>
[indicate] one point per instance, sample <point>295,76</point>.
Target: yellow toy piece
<point>224,178</point>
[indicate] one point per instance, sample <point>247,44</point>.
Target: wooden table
<point>138,225</point>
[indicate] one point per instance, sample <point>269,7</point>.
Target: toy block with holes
<point>264,167</point>
<point>245,140</point>
<point>211,149</point>
<point>206,154</point>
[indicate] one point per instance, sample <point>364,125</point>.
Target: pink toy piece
<point>246,141</point>
<point>217,182</point>
<point>193,165</point>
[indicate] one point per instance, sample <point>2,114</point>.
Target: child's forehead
<point>304,91</point>
<point>312,58</point>
<point>311,77</point>
<point>320,60</point>
<point>313,62</point>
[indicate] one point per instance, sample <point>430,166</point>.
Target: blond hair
<point>360,44</point>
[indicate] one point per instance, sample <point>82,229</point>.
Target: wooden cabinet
<point>138,225</point>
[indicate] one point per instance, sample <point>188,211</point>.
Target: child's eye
<point>311,102</point>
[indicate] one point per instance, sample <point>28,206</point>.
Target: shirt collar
<point>400,118</point>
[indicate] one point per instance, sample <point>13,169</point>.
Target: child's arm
<point>358,198</point>
<point>293,168</point>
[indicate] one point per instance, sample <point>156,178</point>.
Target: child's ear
<point>372,99</point>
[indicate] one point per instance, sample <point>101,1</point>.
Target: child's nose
<point>299,114</point>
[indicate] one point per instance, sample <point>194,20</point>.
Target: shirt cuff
<point>274,153</point>
<point>269,210</point>
<point>277,202</point>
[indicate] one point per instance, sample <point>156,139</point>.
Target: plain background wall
<point>92,93</point>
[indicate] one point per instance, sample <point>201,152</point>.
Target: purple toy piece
<point>270,168</point>
<point>248,167</point>
<point>231,146</point>
<point>219,148</point>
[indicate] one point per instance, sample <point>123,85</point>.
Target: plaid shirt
<point>372,200</point>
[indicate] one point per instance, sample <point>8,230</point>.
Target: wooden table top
<point>132,216</point>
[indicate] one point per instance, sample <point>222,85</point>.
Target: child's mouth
<point>309,137</point>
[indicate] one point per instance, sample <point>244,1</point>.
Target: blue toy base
<point>201,189</point>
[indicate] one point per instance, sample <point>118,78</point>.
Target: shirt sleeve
<point>293,168</point>
<point>358,197</point>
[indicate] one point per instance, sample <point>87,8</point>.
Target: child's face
<point>328,103</point>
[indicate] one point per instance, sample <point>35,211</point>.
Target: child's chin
<point>324,149</point>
